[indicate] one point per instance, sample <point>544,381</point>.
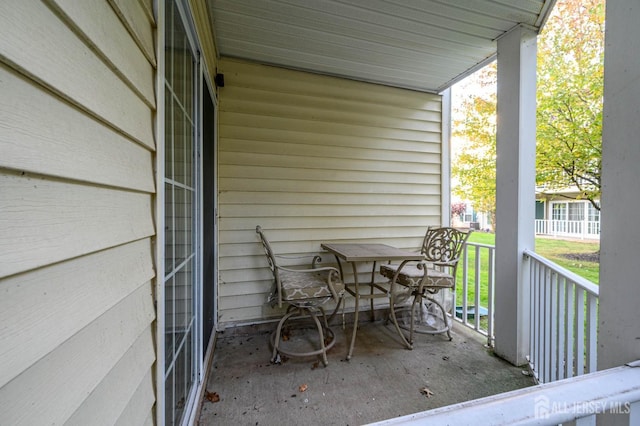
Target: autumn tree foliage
<point>569,111</point>
<point>474,125</point>
<point>569,96</point>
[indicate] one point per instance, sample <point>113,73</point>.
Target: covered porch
<point>382,381</point>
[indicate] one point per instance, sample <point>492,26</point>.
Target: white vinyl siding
<point>313,158</point>
<point>76,212</point>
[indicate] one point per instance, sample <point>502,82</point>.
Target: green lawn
<point>550,248</point>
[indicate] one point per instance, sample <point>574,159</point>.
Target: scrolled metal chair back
<point>443,244</point>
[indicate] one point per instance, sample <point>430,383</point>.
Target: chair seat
<point>299,285</point>
<point>411,276</point>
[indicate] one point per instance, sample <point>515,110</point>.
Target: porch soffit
<point>424,45</point>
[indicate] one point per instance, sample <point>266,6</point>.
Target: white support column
<point>446,159</point>
<point>619,310</point>
<point>515,189</point>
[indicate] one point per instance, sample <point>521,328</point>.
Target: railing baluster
<point>579,332</point>
<point>465,284</point>
<point>570,323</point>
<point>553,327</point>
<point>546,325</point>
<point>490,275</point>
<point>561,305</point>
<point>592,312</point>
<point>476,300</point>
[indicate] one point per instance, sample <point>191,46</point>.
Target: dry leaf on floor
<point>303,388</point>
<point>212,396</point>
<point>426,392</point>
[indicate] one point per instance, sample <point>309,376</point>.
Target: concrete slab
<point>382,380</point>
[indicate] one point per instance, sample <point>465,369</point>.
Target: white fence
<point>583,229</point>
<point>563,324</point>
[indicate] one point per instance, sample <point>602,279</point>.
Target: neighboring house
<point>142,141</point>
<point>472,219</point>
<point>561,213</point>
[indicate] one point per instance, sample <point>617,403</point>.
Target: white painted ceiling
<point>423,45</point>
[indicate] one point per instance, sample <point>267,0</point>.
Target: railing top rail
<point>578,280</point>
<point>547,404</point>
<point>489,246</point>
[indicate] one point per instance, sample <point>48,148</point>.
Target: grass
<point>551,248</point>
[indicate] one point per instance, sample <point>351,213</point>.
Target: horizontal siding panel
<point>357,176</point>
<point>326,163</point>
<point>45,221</point>
<point>120,386</point>
<point>231,317</point>
<point>314,158</point>
<point>42,134</point>
<point>291,186</point>
<point>292,108</point>
<point>337,140</point>
<point>140,409</point>
<point>52,389</point>
<point>338,154</point>
<point>325,199</point>
<point>136,18</point>
<point>87,287</point>
<point>245,287</point>
<point>260,77</point>
<point>64,63</point>
<point>276,223</point>
<point>312,126</point>
<point>103,30</point>
<point>364,110</point>
<point>258,211</point>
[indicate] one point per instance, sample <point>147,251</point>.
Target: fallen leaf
<point>286,334</point>
<point>426,392</point>
<point>212,396</point>
<point>315,365</point>
<point>303,388</point>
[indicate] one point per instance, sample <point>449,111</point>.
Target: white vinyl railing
<point>614,392</point>
<point>563,320</point>
<point>477,278</point>
<point>569,228</point>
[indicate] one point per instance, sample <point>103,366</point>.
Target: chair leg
<point>445,318</point>
<point>321,333</point>
<point>392,313</point>
<point>275,358</point>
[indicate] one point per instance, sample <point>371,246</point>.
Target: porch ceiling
<point>424,45</point>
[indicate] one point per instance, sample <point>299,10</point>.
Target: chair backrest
<point>271,259</point>
<point>444,244</point>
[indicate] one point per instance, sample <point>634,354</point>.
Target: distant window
<point>576,211</point>
<point>559,211</point>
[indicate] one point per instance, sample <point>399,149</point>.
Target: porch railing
<point>476,279</point>
<point>615,391</point>
<point>564,310</point>
<point>569,228</point>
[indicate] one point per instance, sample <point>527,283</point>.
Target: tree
<point>569,111</point>
<point>569,95</point>
<point>475,124</point>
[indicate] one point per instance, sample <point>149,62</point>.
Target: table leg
<point>357,310</point>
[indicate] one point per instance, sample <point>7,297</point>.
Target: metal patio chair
<point>304,291</point>
<point>429,281</point>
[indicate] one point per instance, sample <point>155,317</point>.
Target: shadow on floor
<point>382,380</point>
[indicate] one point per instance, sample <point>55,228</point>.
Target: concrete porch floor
<point>381,381</point>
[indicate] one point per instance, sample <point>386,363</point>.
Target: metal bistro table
<point>354,253</point>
